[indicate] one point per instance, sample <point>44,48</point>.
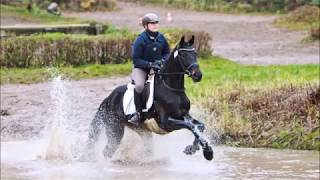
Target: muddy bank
<point>246,39</point>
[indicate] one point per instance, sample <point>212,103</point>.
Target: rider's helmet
<point>149,18</point>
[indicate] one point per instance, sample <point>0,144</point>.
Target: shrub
<point>61,50</point>
<point>235,5</point>
<point>80,4</point>
<point>66,50</point>
<point>201,44</point>
<point>315,31</point>
<point>304,14</point>
<point>283,117</point>
<point>303,18</point>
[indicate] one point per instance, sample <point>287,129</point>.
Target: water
<point>55,153</point>
<point>229,163</point>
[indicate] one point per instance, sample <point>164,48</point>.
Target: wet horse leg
<point>196,127</point>
<point>147,139</point>
<point>114,132</point>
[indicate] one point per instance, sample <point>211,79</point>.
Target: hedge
<point>73,50</point>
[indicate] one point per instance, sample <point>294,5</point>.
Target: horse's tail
<point>97,123</point>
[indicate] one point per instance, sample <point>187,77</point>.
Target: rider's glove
<point>155,65</point>
<point>160,62</point>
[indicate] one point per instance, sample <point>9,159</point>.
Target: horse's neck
<point>174,81</point>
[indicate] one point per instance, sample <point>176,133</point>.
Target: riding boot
<point>137,117</point>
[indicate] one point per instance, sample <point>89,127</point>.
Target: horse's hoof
<point>190,149</point>
<point>208,153</point>
<point>106,153</point>
<point>201,127</point>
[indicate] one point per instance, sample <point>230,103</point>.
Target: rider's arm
<point>165,50</point>
<point>137,54</point>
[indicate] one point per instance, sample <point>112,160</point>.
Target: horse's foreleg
<point>198,124</point>
<point>196,127</point>
<point>191,149</point>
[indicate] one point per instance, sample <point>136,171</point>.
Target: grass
<point>282,22</point>
<point>250,105</point>
<point>36,75</point>
<point>37,16</point>
<point>218,73</point>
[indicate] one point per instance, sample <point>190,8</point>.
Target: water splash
<point>63,142</point>
<point>58,147</point>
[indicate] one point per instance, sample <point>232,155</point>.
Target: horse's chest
<point>179,106</point>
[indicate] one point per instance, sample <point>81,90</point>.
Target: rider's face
<point>153,27</point>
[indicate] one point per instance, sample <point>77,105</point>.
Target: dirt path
<point>247,39</point>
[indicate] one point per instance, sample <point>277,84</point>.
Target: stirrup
<point>136,119</point>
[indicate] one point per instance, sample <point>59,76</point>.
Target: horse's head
<point>186,56</point>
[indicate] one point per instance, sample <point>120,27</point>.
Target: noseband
<point>185,70</point>
<point>188,69</point>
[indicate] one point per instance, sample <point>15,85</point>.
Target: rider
<point>148,50</point>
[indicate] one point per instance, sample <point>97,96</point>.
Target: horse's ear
<point>182,40</point>
<point>191,41</point>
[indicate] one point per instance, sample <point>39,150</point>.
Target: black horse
<point>170,108</point>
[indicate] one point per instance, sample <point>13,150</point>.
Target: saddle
<point>129,107</point>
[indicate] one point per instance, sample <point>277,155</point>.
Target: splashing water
<point>58,147</point>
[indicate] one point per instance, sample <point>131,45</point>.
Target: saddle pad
<point>128,98</point>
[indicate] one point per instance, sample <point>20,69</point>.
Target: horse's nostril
<point>199,76</point>
<point>196,75</point>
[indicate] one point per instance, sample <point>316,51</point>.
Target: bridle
<point>185,70</point>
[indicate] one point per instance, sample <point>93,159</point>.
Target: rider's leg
<point>139,77</point>
<point>136,118</point>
